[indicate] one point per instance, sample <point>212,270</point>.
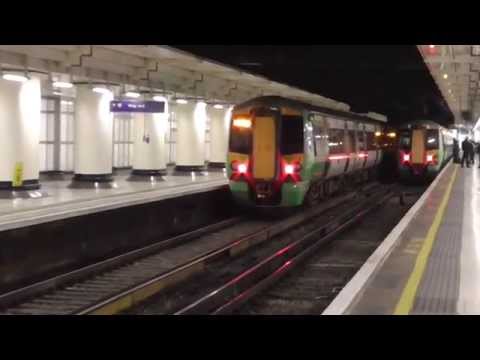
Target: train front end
<point>266,163</point>
<point>420,153</point>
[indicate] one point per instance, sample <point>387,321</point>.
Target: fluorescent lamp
<point>182,101</point>
<point>14,77</point>
<point>159,98</point>
<point>62,84</point>
<point>132,94</point>
<point>101,90</point>
<point>218,106</point>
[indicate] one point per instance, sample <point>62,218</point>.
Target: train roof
<point>428,124</point>
<point>295,104</point>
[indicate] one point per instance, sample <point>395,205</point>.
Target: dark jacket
<point>465,145</point>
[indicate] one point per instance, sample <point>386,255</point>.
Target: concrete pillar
<point>20,107</point>
<point>191,121</point>
<point>93,137</point>
<point>219,127</point>
<point>149,153</point>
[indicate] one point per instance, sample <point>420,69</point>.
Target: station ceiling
<point>403,82</point>
<point>150,67</point>
<point>390,79</point>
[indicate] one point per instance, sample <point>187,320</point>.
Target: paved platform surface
<point>430,263</point>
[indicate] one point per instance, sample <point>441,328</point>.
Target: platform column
<point>149,153</point>
<point>191,122</point>
<point>93,137</point>
<point>20,106</point>
<point>219,126</point>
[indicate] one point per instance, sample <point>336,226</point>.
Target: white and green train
<point>283,153</point>
<point>424,147</point>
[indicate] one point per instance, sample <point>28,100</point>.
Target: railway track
<point>312,286</point>
<point>117,284</point>
<point>226,286</point>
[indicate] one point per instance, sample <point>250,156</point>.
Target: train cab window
<point>404,141</point>
<point>336,141</point>
<point>432,139</point>
<point>241,140</point>
<point>291,139</point>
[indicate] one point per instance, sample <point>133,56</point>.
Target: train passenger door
<point>351,147</point>
<point>418,146</point>
<point>337,154</point>
<point>362,149</point>
<point>370,145</point>
<point>320,142</point>
<point>264,148</point>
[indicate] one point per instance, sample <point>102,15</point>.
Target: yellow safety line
<point>409,293</point>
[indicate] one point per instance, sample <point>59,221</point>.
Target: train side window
<point>432,139</point>
<point>336,141</point>
<point>241,140</point>
<point>371,141</point>
<point>291,135</point>
<point>361,140</point>
<point>352,142</point>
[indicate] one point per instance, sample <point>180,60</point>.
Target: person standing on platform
<point>466,152</point>
<point>456,151</point>
<point>473,149</point>
<point>478,152</point>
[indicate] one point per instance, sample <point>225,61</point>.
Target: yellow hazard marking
<point>18,175</point>
<point>409,293</point>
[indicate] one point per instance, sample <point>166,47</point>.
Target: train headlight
<point>289,169</point>
<point>406,157</point>
<point>242,168</point>
<point>429,158</point>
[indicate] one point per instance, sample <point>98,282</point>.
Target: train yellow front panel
<point>264,148</point>
<point>418,146</point>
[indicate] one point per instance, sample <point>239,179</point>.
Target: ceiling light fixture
<point>101,90</point>
<point>14,77</point>
<point>132,94</point>
<point>181,101</point>
<point>62,84</point>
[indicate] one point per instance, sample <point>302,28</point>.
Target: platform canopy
<point>455,69</point>
<point>151,67</point>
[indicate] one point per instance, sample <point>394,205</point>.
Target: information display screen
<point>137,106</point>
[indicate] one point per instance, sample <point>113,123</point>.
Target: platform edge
<point>354,287</point>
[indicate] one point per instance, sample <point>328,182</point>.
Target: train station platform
<point>430,262</point>
<point>57,201</point>
<point>67,228</point>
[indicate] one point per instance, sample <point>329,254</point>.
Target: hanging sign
<point>138,106</point>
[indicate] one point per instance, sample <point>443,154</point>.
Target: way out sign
<point>18,175</point>
<point>137,106</point>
